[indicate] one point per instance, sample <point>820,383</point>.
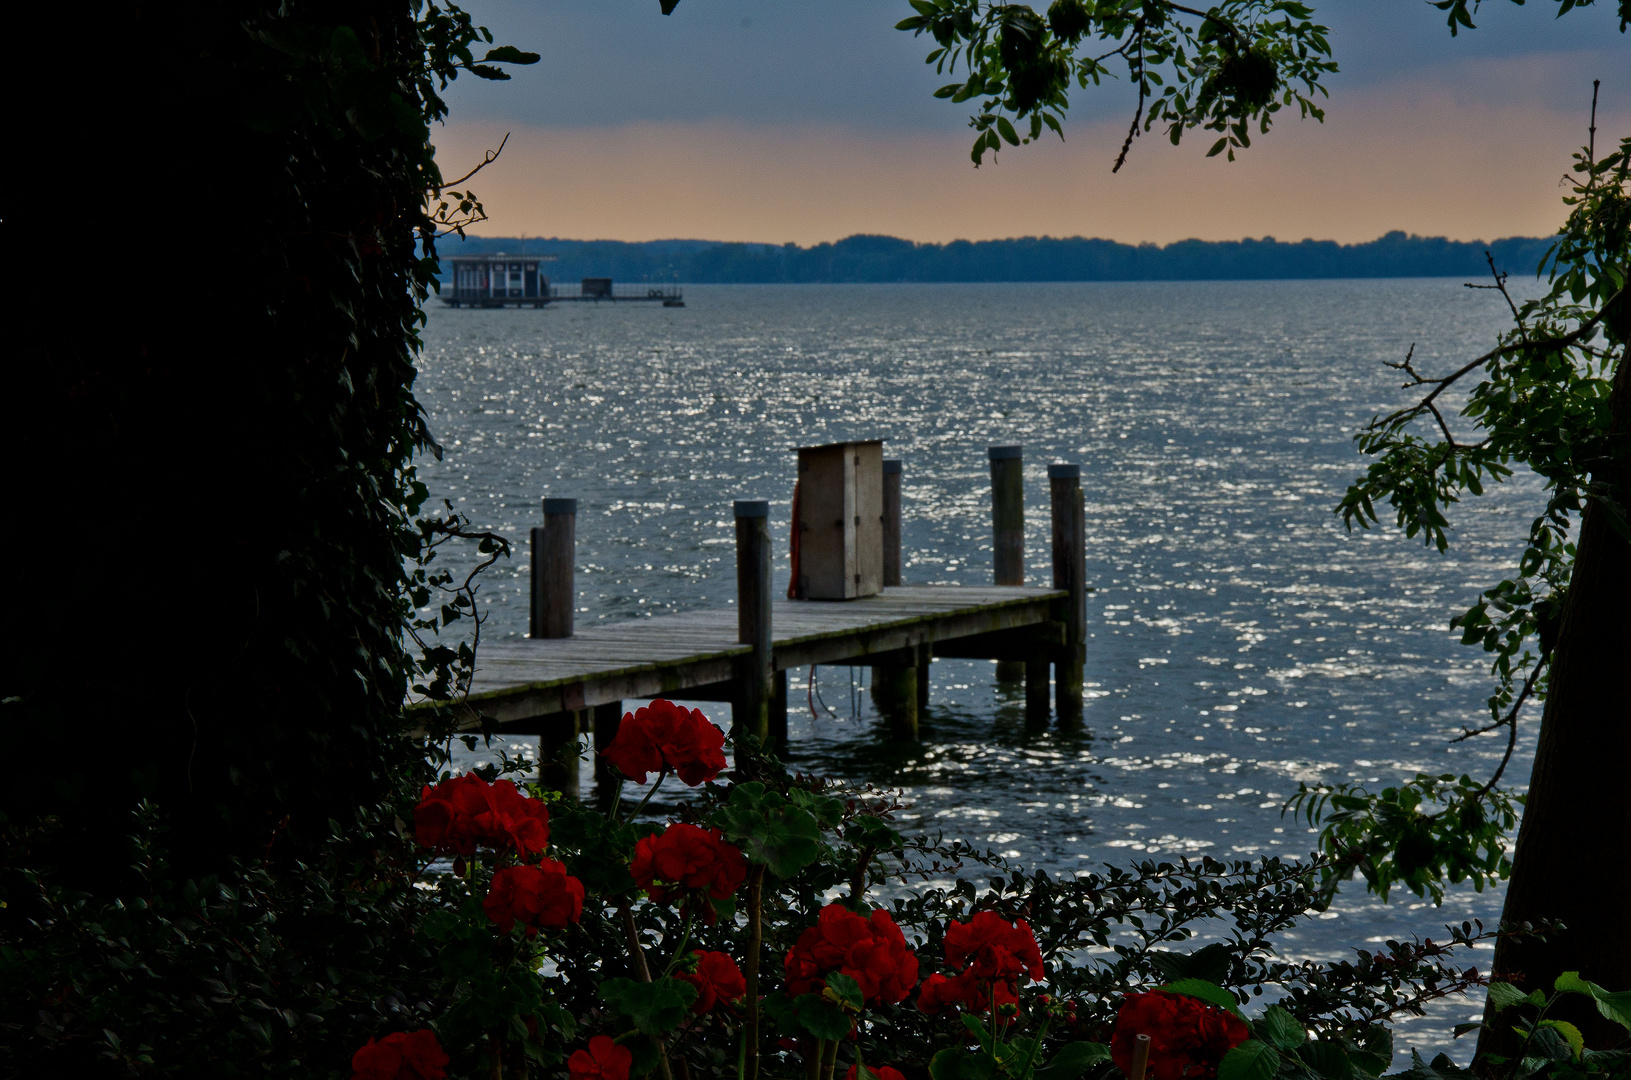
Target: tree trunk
<point>1573,857</point>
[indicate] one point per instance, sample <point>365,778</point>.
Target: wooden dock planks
<point>697,651</point>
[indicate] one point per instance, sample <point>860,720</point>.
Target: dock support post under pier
<point>750,712</point>
<point>895,691</point>
<point>778,712</point>
<point>891,522</point>
<point>1008,531</point>
<point>925,657</point>
<point>1070,574</point>
<point>558,752</point>
<point>607,717</point>
<point>554,553</point>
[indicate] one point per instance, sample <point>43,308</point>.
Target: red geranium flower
<point>688,860</point>
<point>663,734</point>
<point>604,1060</point>
<point>871,951</point>
<point>401,1055</point>
<point>458,814</point>
<point>1188,1037</point>
<point>534,896</point>
<point>717,978</point>
<point>882,1072</point>
<point>990,947</point>
<point>965,991</point>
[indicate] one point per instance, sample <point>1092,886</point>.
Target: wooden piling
<point>751,709</point>
<point>1070,574</point>
<point>1008,531</point>
<point>925,657</point>
<point>554,552</point>
<point>895,693</point>
<point>607,718</point>
<point>558,752</point>
<point>891,521</point>
<point>1036,692</point>
<point>778,712</point>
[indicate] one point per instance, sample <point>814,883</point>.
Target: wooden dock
<point>562,682</point>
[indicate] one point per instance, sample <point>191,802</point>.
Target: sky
<point>811,120</point>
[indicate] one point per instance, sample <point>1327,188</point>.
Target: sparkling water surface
<point>1241,639</point>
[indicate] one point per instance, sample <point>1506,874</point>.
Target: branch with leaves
<point>1541,404</point>
<point>1227,69</point>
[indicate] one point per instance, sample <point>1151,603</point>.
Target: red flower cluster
<point>882,1072</point>
<point>401,1055</point>
<point>534,896</point>
<point>964,991</point>
<point>686,859</point>
<point>995,956</point>
<point>1188,1037</point>
<point>458,814</point>
<point>717,978</point>
<point>604,1060</point>
<point>871,951</point>
<point>664,736</point>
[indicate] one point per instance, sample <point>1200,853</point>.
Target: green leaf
<point>820,1017</point>
<point>1327,1060</point>
<point>847,990</point>
<point>1073,1060</point>
<point>962,1065</point>
<point>1504,995</point>
<point>509,54</point>
<point>1570,1033</point>
<point>655,1007</point>
<point>1615,1006</point>
<point>1006,129</point>
<point>1251,1060</point>
<point>1280,1029</point>
<point>1206,991</point>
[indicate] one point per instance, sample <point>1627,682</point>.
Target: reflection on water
<point>1242,641</point>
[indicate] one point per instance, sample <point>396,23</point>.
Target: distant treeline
<point>886,259</point>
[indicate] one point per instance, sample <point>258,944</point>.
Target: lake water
<point>1241,639</point>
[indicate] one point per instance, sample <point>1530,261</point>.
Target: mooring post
<point>1070,574</point>
<point>607,717</point>
<point>891,522</point>
<point>558,752</point>
<point>1008,532</point>
<point>751,708</point>
<point>925,657</point>
<point>554,551</point>
<point>894,691</point>
<point>778,711</point>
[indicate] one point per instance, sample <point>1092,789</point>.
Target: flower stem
<point>829,1060</point>
<point>756,933</point>
<point>638,956</point>
<point>660,778</point>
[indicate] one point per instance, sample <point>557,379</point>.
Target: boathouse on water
<point>502,280</point>
<point>496,279</point>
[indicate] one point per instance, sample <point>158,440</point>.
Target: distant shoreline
<point>865,259</point>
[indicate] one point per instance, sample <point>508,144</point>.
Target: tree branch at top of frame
<point>1226,69</point>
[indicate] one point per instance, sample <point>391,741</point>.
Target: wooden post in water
<point>894,691</point>
<point>891,522</point>
<point>1008,532</point>
<point>778,712</point>
<point>750,712</point>
<point>558,752</point>
<point>554,551</point>
<point>1070,574</point>
<point>607,719</point>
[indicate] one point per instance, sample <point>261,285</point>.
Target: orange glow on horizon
<point>1409,157</point>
